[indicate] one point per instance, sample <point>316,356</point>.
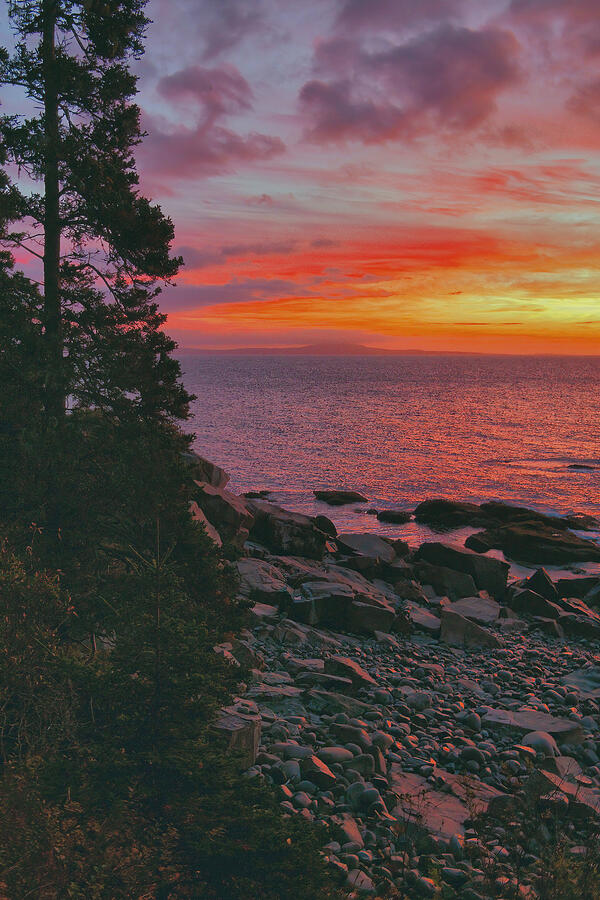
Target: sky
<point>395,173</point>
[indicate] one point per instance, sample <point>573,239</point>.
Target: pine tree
<point>105,249</point>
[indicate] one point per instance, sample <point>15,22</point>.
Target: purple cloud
<point>399,14</point>
<point>199,259</point>
<point>226,23</point>
<point>220,90</point>
<point>449,76</point>
<point>187,296</point>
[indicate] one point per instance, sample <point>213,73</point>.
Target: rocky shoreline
<point>439,720</point>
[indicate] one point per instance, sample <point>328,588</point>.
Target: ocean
<point>400,429</point>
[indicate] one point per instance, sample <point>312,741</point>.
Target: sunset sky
<point>397,173</point>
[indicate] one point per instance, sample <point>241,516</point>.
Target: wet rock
<point>339,497</point>
<point>578,587</point>
<point>533,542</point>
<point>534,604</point>
<point>423,620</point>
<point>446,514</point>
<point>541,583</point>
<point>394,516</point>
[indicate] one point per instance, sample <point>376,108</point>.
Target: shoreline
<point>415,703</point>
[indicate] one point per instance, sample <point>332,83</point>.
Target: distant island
<point>326,349</point>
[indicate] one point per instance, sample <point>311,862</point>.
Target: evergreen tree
<point>105,248</point>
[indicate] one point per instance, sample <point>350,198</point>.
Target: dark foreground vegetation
<point>112,783</point>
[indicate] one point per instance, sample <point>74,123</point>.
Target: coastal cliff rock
<point>535,542</point>
<point>286,532</point>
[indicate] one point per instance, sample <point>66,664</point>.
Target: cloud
<point>399,14</point>
<point>226,23</point>
<point>449,76</point>
<point>199,259</point>
<point>219,90</point>
<point>209,148</point>
<point>186,296</point>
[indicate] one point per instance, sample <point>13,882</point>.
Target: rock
<point>348,668</point>
<point>593,595</point>
<point>446,582</point>
<point>325,525</point>
<point>348,830</point>
<point>367,618</point>
<point>286,532</point>
<point>534,542</point>
<point>488,574</point>
<point>199,517</point>
<point>394,516</point>
<point>322,602</point>
<point>263,612</point>
<point>339,497</point>
<point>586,681</point>
<point>367,545</point>
<point>447,514</point>
<point>203,470</point>
<point>241,729</point>
<point>360,882</point>
<point>318,772</point>
<point>334,755</point>
<point>583,801</point>
<point>541,583</point>
<point>542,742</point>
<point>228,513</point>
<point>528,720</point>
<point>578,587</point>
<point>423,620</point>
<point>440,813</point>
<point>478,609</point>
<point>461,632</point>
<point>261,581</point>
<point>332,702</point>
<point>533,604</point>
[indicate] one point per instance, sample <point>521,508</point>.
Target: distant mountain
<point>329,349</point>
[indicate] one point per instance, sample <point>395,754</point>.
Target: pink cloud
<point>220,90</point>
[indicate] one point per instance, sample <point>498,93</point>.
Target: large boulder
<point>366,618</point>
<point>447,514</point>
<point>459,631</point>
<point>262,582</point>
<point>446,582</point>
<point>348,668</point>
<point>228,513</point>
<point>478,609</point>
<point>579,587</point>
<point>322,602</point>
<point>533,604</point>
<point>488,574</point>
<point>535,542</point>
<point>369,546</point>
<point>444,515</point>
<point>240,726</point>
<point>526,720</point>
<point>203,470</point>
<point>339,497</point>
<point>394,516</point>
<point>286,532</point>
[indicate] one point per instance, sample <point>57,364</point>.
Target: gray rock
<point>461,632</point>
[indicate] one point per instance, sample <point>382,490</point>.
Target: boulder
<point>369,546</point>
<point>488,574</point>
<point>322,602</point>
<point>541,583</point>
<point>263,582</point>
<point>240,726</point>
<point>367,618</point>
<point>227,512</point>
<point>593,595</point>
<point>286,532</point>
<point>586,681</point>
<point>578,587</point>
<point>535,542</point>
<point>459,631</point>
<point>527,720</point>
<point>478,609</point>
<point>348,668</point>
<point>203,470</point>
<point>446,582</point>
<point>199,517</point>
<point>317,771</point>
<point>423,620</point>
<point>533,604</point>
<point>394,516</point>
<point>339,497</point>
<point>447,514</point>
<point>441,813</point>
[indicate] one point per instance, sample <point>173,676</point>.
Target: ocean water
<point>400,429</point>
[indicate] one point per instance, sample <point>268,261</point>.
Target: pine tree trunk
<point>55,395</point>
